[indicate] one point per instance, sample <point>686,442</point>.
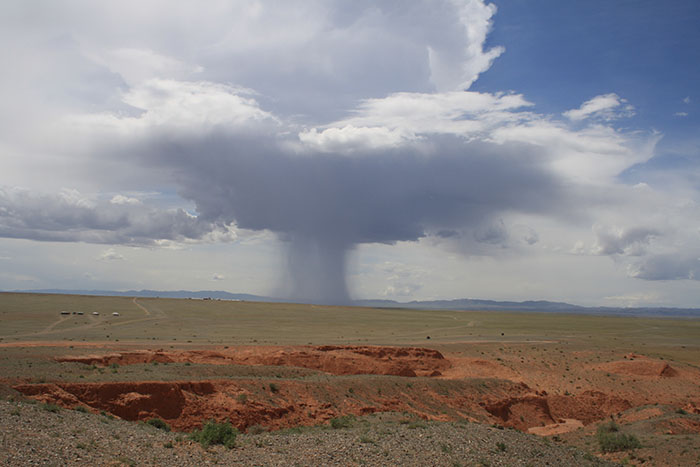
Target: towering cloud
<point>458,162</point>
<point>330,124</point>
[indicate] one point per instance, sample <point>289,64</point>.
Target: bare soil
<point>537,388</point>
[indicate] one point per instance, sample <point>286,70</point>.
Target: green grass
<point>171,320</point>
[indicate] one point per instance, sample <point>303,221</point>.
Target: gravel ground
<point>35,434</point>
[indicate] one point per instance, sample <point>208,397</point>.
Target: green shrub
<point>158,423</point>
<point>342,422</point>
<point>51,407</point>
<point>81,408</point>
<point>274,387</point>
<point>501,446</point>
<point>611,440</point>
<point>610,427</point>
<point>215,433</point>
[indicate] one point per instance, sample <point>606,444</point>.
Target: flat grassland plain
<point>317,385</point>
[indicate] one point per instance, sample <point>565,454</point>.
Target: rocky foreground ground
<point>39,434</point>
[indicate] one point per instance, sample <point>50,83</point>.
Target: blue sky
<point>562,53</point>
<point>328,150</point>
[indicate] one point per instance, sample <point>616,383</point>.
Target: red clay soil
<point>692,407</point>
<point>336,360</point>
<point>186,405</point>
<point>522,412</point>
<point>639,365</point>
<point>541,409</point>
<point>681,426</point>
<point>477,389</point>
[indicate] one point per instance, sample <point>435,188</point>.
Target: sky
<point>325,151</point>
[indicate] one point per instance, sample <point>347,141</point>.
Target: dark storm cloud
<point>630,241</point>
<point>66,217</point>
<point>322,205</point>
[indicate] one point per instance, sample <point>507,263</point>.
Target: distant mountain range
<point>465,304</point>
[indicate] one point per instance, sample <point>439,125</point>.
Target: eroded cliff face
<point>359,380</point>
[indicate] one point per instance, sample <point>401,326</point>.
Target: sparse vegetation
<point>50,407</point>
<point>414,425</point>
<point>342,422</point>
<point>611,439</point>
<point>158,423</point>
<point>215,433</point>
<point>251,389</point>
<point>256,429</point>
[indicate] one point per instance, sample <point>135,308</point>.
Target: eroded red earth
<point>336,360</point>
<point>416,380</point>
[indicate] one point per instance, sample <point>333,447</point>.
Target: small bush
<point>611,440</point>
<point>81,408</point>
<point>501,446</point>
<point>158,423</point>
<point>51,407</point>
<point>215,433</point>
<point>274,387</point>
<point>256,429</point>
<point>342,422</point>
<point>610,427</point>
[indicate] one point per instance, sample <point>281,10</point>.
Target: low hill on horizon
<point>465,304</point>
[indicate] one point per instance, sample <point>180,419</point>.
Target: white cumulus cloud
<point>604,107</point>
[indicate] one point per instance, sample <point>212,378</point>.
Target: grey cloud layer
<point>671,266</point>
<point>67,218</point>
<point>323,205</point>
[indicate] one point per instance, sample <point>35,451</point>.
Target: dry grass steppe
<point>540,384</point>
